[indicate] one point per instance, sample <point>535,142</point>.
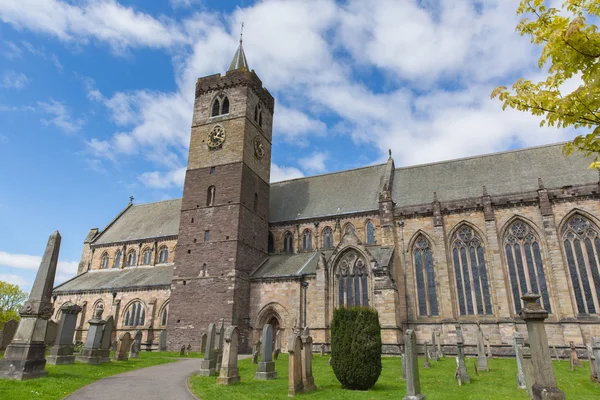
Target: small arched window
<point>348,228</point>
<point>307,240</point>
<point>104,261</point>
<point>271,244</point>
<point>225,106</point>
<point>260,119</point>
<point>163,255</point>
<point>131,258</point>
<point>370,228</point>
<point>164,315</point>
<point>135,314</point>
<point>327,238</point>
<point>425,277</point>
<point>220,105</point>
<point>210,196</point>
<point>203,270</point>
<point>288,243</point>
<point>258,115</point>
<point>147,260</point>
<point>117,263</point>
<point>216,109</point>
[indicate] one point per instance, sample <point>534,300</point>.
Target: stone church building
<point>428,246</point>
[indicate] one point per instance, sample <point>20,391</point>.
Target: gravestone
<point>322,350</point>
<point>439,345</point>
<point>203,343</point>
<point>209,363</point>
<point>219,343</point>
<point>574,358</point>
<point>138,338</point>
<point>266,366</point>
<point>544,386</point>
<point>308,380</point>
<point>413,384</point>
<point>123,346</point>
<point>295,384</point>
<point>403,355</point>
<point>189,349</point>
<point>434,355</point>
<point>255,358</point>
<point>134,351</point>
<point>62,350</point>
<point>593,370</point>
<point>25,355</point>
<point>278,339</point>
<point>426,351</point>
<point>105,341</point>
<point>182,350</point>
<point>528,373</point>
<point>51,332</point>
<point>162,341</point>
<point>596,351</point>
<point>229,369</point>
<point>518,342</point>
<point>276,354</point>
<point>462,367</point>
<point>90,353</point>
<point>7,333</point>
<point>482,361</point>
<point>257,347</point>
<point>489,348</point>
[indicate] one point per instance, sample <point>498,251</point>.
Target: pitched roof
<point>508,172</point>
<point>239,60</point>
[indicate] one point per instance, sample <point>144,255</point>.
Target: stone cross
<point>482,361</point>
<point>209,363</point>
<point>574,358</point>
<point>162,341</point>
<point>62,350</point>
<point>8,332</point>
<point>134,349</point>
<point>489,348</point>
<point>593,370</point>
<point>106,339</point>
<point>219,343</point>
<point>90,353</point>
<point>203,343</point>
<point>434,354</point>
<point>518,342</point>
<point>229,368</point>
<point>123,346</point>
<point>426,351</point>
<point>413,384</point>
<point>266,366</point>
<point>25,355</point>
<point>307,377</point>
<point>462,367</point>
<point>295,384</point>
<point>439,345</point>
<point>596,351</point>
<point>544,386</point>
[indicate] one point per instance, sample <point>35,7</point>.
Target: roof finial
<point>241,32</point>
<point>239,59</point>
<point>130,199</point>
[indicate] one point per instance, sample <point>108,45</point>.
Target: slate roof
<point>502,173</point>
<point>106,279</point>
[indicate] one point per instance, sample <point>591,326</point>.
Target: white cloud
<point>15,280</point>
<point>163,180</point>
<point>282,173</point>
<point>29,262</point>
<point>60,116</point>
<point>13,80</point>
<point>315,163</point>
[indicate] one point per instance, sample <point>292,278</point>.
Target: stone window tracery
<point>220,105</point>
<point>425,277</point>
<point>104,261</point>
<point>327,238</point>
<point>582,249</point>
<point>163,255</point>
<point>352,281</point>
<point>135,315</point>
<point>370,229</point>
<point>525,267</point>
<point>288,243</point>
<point>131,258</point>
<point>117,263</point>
<point>307,240</point>
<point>147,257</point>
<point>472,287</point>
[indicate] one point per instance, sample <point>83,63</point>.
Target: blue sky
<point>96,97</point>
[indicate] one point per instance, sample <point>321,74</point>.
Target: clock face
<point>259,147</point>
<point>216,137</point>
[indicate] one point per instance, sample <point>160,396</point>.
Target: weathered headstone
<point>482,361</point>
<point>439,345</point>
<point>203,343</point>
<point>25,355</point>
<point>51,332</point>
<point>489,348</point>
<point>134,350</point>
<point>62,350</point>
<point>219,343</point>
<point>8,332</point>
<point>188,349</point>
<point>322,349</point>
<point>255,358</point>
<point>462,367</point>
<point>295,384</point>
<point>138,338</point>
<point>433,352</point>
<point>308,380</point>
<point>257,347</point>
<point>105,341</point>
<point>427,364</point>
<point>413,384</point>
<point>162,341</point>
<point>229,370</point>
<point>518,342</point>
<point>544,386</point>
<point>266,366</point>
<point>528,372</point>
<point>90,353</point>
<point>403,355</point>
<point>574,358</point>
<point>182,350</point>
<point>596,351</point>
<point>590,356</point>
<point>123,346</point>
<point>209,363</point>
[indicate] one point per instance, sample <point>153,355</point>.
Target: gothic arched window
<point>327,238</point>
<point>288,243</point>
<point>370,228</point>
<point>425,277</point>
<point>210,196</point>
<point>582,248</point>
<point>525,267</point>
<point>468,256</point>
<point>307,240</point>
<point>135,314</point>
<point>164,315</point>
<point>225,106</point>
<point>163,255</point>
<point>104,261</point>
<point>220,105</point>
<point>147,259</point>
<point>131,258</point>
<point>352,285</point>
<point>117,263</point>
<point>348,228</point>
<point>271,244</point>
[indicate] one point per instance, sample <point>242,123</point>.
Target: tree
<point>11,298</point>
<point>571,46</point>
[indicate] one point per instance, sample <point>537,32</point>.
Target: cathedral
<point>428,246</point>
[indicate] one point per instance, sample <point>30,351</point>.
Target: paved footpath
<point>167,381</point>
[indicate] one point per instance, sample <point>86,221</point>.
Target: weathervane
<point>241,32</point>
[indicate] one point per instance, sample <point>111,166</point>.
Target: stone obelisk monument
<point>25,356</point>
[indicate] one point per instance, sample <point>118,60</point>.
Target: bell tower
<point>223,228</point>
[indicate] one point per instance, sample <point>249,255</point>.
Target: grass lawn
<point>63,380</point>
<point>436,383</point>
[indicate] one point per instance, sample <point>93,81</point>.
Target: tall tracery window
<point>525,267</point>
<point>147,259</point>
<point>327,238</point>
<point>271,244</point>
<point>288,243</point>
<point>468,255</point>
<point>370,231</point>
<point>348,228</point>
<point>220,105</point>
<point>104,261</point>
<point>425,277</point>
<point>352,284</point>
<point>210,196</point>
<point>163,255</point>
<point>582,249</point>
<point>135,315</point>
<point>131,258</point>
<point>117,263</point>
<point>307,240</point>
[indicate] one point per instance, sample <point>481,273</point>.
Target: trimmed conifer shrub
<point>356,347</point>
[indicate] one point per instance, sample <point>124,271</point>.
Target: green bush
<point>356,347</point>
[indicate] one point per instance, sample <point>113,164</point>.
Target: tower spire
<point>239,61</point>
